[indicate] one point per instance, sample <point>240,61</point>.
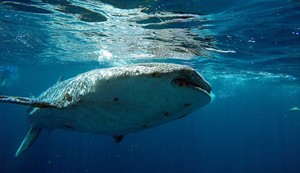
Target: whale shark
<point>115,101</point>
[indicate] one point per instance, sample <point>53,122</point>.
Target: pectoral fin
<point>28,140</point>
<point>118,138</point>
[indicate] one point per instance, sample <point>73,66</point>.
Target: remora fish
<point>116,101</point>
<point>295,109</point>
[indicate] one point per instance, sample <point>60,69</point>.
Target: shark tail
<point>34,130</point>
<point>28,140</point>
<point>27,101</point>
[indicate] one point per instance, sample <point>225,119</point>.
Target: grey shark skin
<point>116,101</point>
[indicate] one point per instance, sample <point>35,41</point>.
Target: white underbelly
<point>115,110</point>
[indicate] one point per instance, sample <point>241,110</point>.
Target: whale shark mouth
<point>186,81</point>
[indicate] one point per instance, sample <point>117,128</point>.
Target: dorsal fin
<point>61,78</point>
<point>26,101</point>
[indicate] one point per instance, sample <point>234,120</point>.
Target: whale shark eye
<point>68,97</point>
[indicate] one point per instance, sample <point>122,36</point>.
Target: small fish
<point>295,109</point>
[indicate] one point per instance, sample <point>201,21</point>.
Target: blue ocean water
<point>248,51</point>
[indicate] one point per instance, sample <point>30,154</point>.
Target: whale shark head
<point>191,79</point>
<point>179,76</point>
